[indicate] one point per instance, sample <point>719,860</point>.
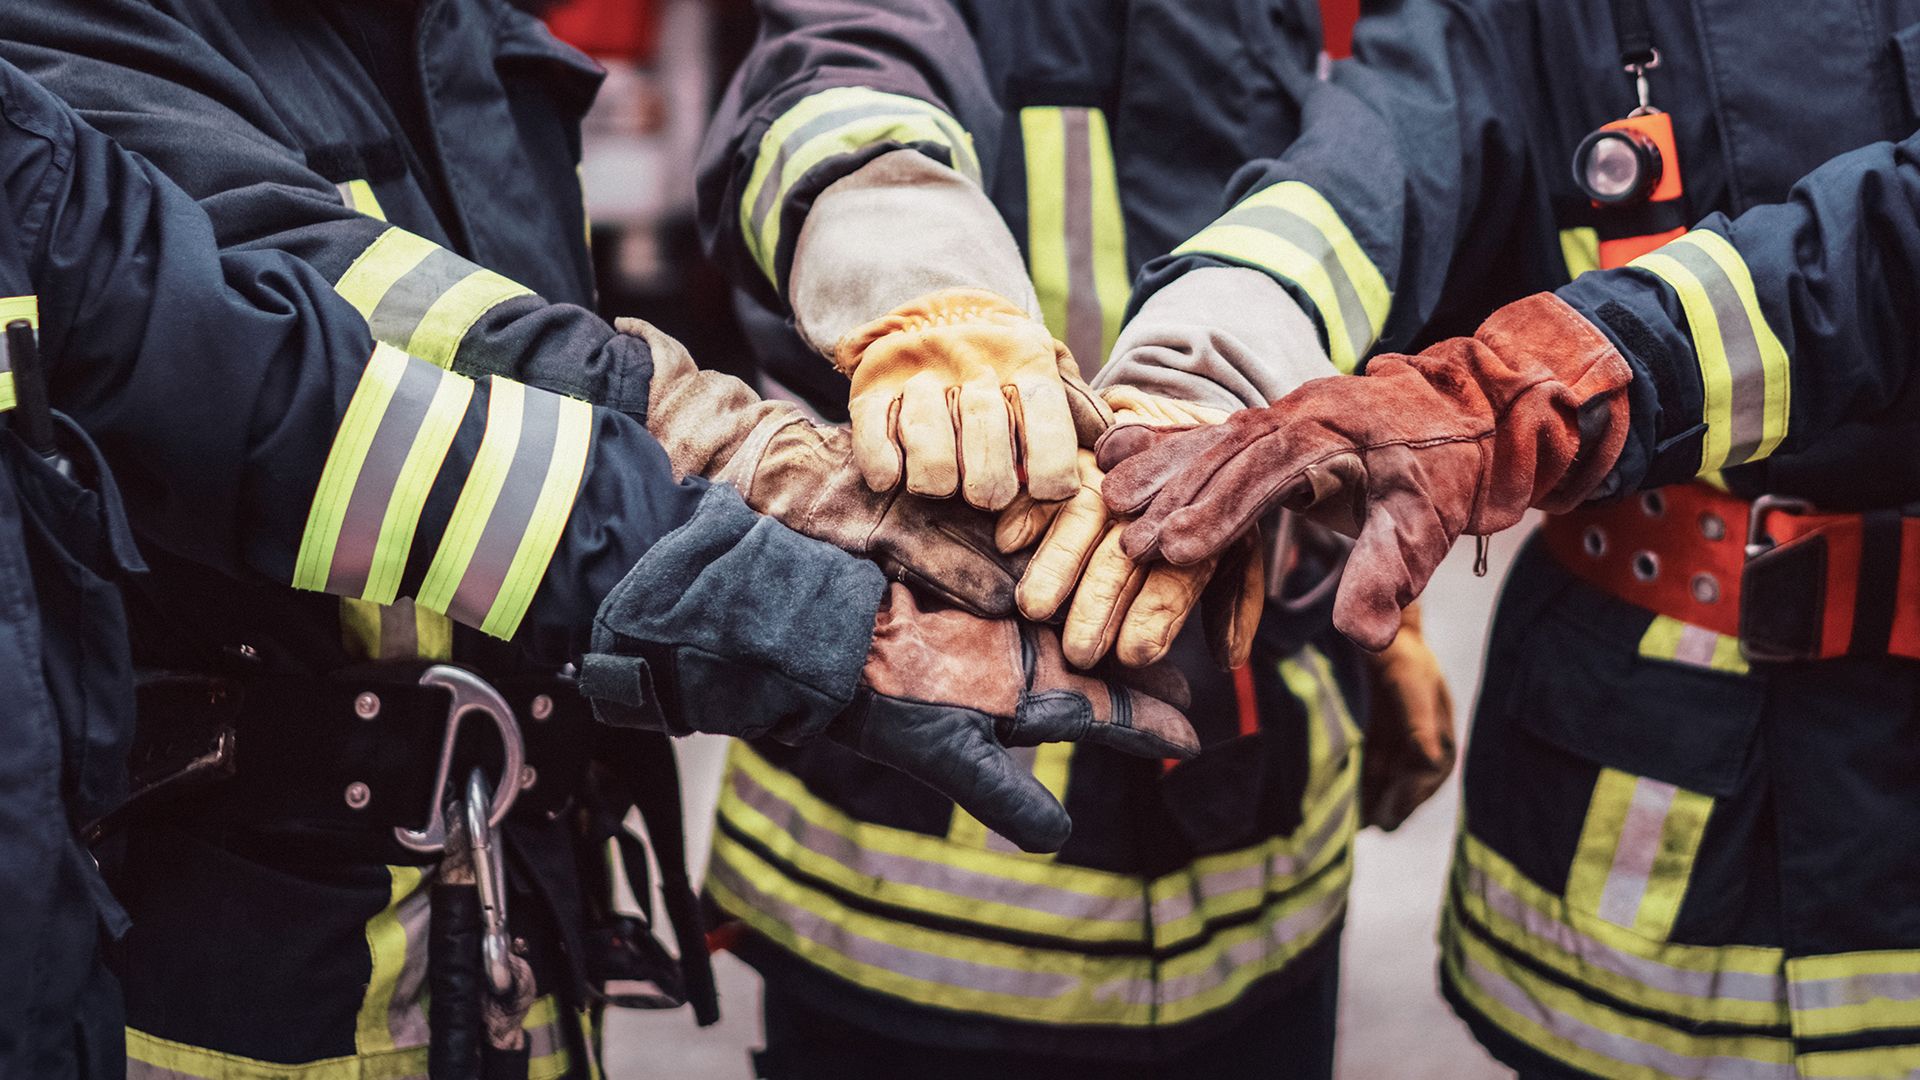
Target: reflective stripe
<point>397,631</point>
<point>1580,248</point>
<point>1873,1063</point>
<point>389,447</point>
<point>13,309</point>
<point>1291,231</point>
<point>1636,851</point>
<point>1668,638</point>
<point>512,509</point>
<point>1331,731</point>
<point>547,1055</point>
<point>421,298</point>
<point>1854,992</point>
<point>1076,233</point>
<point>842,120</point>
<point>1737,984</point>
<point>152,1058</point>
<point>358,196</point>
<point>1743,367</point>
<point>391,1016</point>
<point>1590,1036</point>
<point>1196,982</point>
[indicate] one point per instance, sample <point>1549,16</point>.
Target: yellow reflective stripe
<point>387,943</point>
<point>1877,1061</point>
<point>512,509</point>
<point>385,261</point>
<point>841,120</point>
<point>1581,1032</point>
<point>1292,231</point>
<point>1580,247</point>
<point>446,323</point>
<point>1744,368</point>
<point>420,297</point>
<point>1043,133</point>
<point>400,630</point>
<point>1331,731</point>
<point>13,309</point>
<point>547,1055</point>
<point>1636,851</point>
<point>1668,638</point>
<point>1076,232</point>
<point>389,447</point>
<point>358,196</point>
<point>1739,984</point>
<point>1849,993</point>
<point>1209,978</point>
<point>7,399</point>
<point>929,967</point>
<point>150,1057</point>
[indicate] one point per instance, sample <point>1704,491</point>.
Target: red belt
<point>1789,582</point>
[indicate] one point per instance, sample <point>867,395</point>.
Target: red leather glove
<point>1464,437</point>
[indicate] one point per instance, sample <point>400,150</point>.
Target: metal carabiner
<point>490,878</point>
<point>470,694</point>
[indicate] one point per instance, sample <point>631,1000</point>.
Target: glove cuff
<point>934,311</point>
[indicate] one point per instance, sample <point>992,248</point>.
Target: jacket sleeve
<point>1760,334</point>
<point>258,428</point>
<point>828,86</point>
<point>1409,162</point>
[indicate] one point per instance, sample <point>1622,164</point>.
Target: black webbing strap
<point>655,787</point>
<point>1634,30</point>
<point>1876,591</point>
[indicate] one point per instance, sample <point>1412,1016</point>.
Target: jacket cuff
<point>733,624</point>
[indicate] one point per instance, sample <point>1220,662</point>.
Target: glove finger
<point>1147,458</point>
<point>988,479</point>
<point>1159,612</point>
<point>1198,516</point>
<point>1062,557</point>
<point>1161,680</point>
<point>875,447</point>
<point>1066,704</point>
<point>1006,797</point>
<point>1108,587</point>
<point>927,436</point>
<point>1392,561</point>
<point>1091,416</point>
<point>1024,521</point>
<point>947,554</point>
<point>1233,603</point>
<point>1047,437</point>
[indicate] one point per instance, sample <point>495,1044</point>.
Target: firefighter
<point>281,907</point>
<point>1695,732</point>
<point>945,202</point>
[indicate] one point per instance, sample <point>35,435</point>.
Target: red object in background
<point>613,29</point>
<point>1336,26</point>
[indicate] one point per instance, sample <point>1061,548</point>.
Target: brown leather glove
<point>960,390</point>
<point>1409,747</point>
<point>801,473</point>
<point>1119,603</point>
<point>1461,438</point>
<point>944,694</point>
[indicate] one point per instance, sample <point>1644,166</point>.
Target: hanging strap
<point>1634,30</point>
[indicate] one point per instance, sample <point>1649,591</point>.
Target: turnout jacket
<point>307,392</point>
<point>1187,898</point>
<point>1671,862</point>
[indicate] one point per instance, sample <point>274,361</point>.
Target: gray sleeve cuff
<point>1228,337</point>
<point>736,625</point>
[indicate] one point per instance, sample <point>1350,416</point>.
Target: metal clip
<point>1641,90</point>
<point>490,877</point>
<point>470,694</point>
<point>1758,542</point>
<point>1482,546</point>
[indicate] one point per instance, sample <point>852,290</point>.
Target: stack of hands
<point>1060,538</point>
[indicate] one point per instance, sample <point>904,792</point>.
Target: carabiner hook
<point>470,694</point>
<point>490,878</point>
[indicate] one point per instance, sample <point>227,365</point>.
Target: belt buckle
<point>1759,543</point>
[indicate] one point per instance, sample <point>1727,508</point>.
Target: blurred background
<point>667,61</point>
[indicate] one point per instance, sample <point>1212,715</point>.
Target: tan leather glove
<point>1409,747</point>
<point>1120,604</point>
<point>803,474</point>
<point>961,390</point>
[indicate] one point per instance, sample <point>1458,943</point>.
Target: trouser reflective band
<point>1636,852</point>
<point>13,309</point>
<point>1076,234</point>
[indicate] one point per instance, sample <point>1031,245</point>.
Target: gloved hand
<point>801,473</point>
<point>1118,602</point>
<point>1409,745</point>
<point>961,390</point>
<point>1461,438</point>
<point>944,694</point>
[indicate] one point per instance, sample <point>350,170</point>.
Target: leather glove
<point>1464,437</point>
<point>944,694</point>
<point>1119,603</point>
<point>959,391</point>
<point>1409,746</point>
<point>801,473</point>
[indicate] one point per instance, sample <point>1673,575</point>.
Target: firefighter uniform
<point>1674,858</point>
<point>348,426</point>
<point>1191,904</point>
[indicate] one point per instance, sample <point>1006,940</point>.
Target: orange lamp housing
<point>1630,163</point>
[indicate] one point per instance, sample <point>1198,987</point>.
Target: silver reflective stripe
<point>1744,360</point>
<point>1891,986</point>
<point>905,870</point>
<point>1696,645</point>
<point>1086,322</point>
<point>399,312</point>
<point>544,1041</point>
<point>407,1011</point>
<point>1684,982</point>
<point>373,491</point>
<point>1617,1047</point>
<point>1285,934</point>
<point>913,963</point>
<point>1302,234</point>
<point>1634,856</point>
<point>512,512</point>
<point>776,181</point>
<point>1280,866</point>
